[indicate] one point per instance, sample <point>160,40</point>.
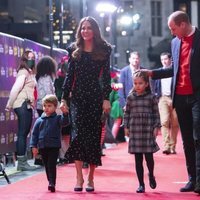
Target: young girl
<point>46,72</point>
<point>141,123</point>
<point>46,136</point>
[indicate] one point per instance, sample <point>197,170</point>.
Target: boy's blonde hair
<point>50,98</point>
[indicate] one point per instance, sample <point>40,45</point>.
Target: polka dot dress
<point>89,83</point>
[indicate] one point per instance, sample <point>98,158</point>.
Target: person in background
<point>116,112</point>
<point>168,117</point>
<point>126,77</point>
<point>21,99</point>
<point>45,75</point>
<point>89,62</point>
<point>141,124</point>
<point>185,91</point>
<point>46,137</point>
<point>58,83</point>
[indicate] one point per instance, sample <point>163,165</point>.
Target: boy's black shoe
<point>51,188</point>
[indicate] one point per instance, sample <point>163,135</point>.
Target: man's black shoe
<point>189,187</point>
<point>197,188</point>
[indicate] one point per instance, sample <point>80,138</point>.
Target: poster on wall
<point>11,49</point>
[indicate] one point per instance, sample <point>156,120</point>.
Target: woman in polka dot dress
<point>88,85</point>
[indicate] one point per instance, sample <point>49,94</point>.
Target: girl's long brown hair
<point>23,60</point>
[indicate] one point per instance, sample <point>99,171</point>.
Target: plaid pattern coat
<point>141,117</point>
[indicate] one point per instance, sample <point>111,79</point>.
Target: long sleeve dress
<point>141,117</point>
<point>88,81</point>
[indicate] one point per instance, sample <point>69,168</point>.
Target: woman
<point>21,99</point>
<point>88,81</point>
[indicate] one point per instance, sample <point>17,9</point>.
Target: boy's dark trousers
<point>50,156</point>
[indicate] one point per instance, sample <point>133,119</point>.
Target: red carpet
<point>116,179</point>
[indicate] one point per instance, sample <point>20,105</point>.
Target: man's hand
<point>148,71</point>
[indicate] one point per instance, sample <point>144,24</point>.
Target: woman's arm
<point>17,87</point>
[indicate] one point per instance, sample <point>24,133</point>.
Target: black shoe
<point>141,189</point>
<point>90,187</point>
<point>189,187</point>
<point>167,152</point>
<point>197,188</point>
<point>52,188</point>
<point>152,182</point>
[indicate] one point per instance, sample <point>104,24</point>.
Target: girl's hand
<point>106,106</point>
<point>35,151</point>
<point>156,131</point>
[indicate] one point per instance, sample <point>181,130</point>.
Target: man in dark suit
<point>126,75</point>
<point>185,49</point>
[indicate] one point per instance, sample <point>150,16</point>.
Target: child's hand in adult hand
<point>34,151</point>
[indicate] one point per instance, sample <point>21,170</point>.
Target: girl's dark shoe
<point>152,182</point>
<point>141,189</point>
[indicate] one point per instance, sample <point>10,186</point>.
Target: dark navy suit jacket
<point>194,64</point>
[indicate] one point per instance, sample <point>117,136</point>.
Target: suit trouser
<point>169,122</point>
<point>49,157</point>
<point>188,112</point>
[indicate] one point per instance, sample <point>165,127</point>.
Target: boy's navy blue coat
<point>47,131</point>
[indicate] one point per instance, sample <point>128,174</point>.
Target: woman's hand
<point>63,106</point>
<point>106,106</point>
<point>126,132</point>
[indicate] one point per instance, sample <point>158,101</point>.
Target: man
<point>126,77</point>
<point>186,90</point>
<point>168,117</point>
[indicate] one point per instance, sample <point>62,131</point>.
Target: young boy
<point>46,136</point>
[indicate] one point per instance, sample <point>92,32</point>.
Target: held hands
<point>106,106</point>
<point>34,151</point>
<point>63,106</point>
